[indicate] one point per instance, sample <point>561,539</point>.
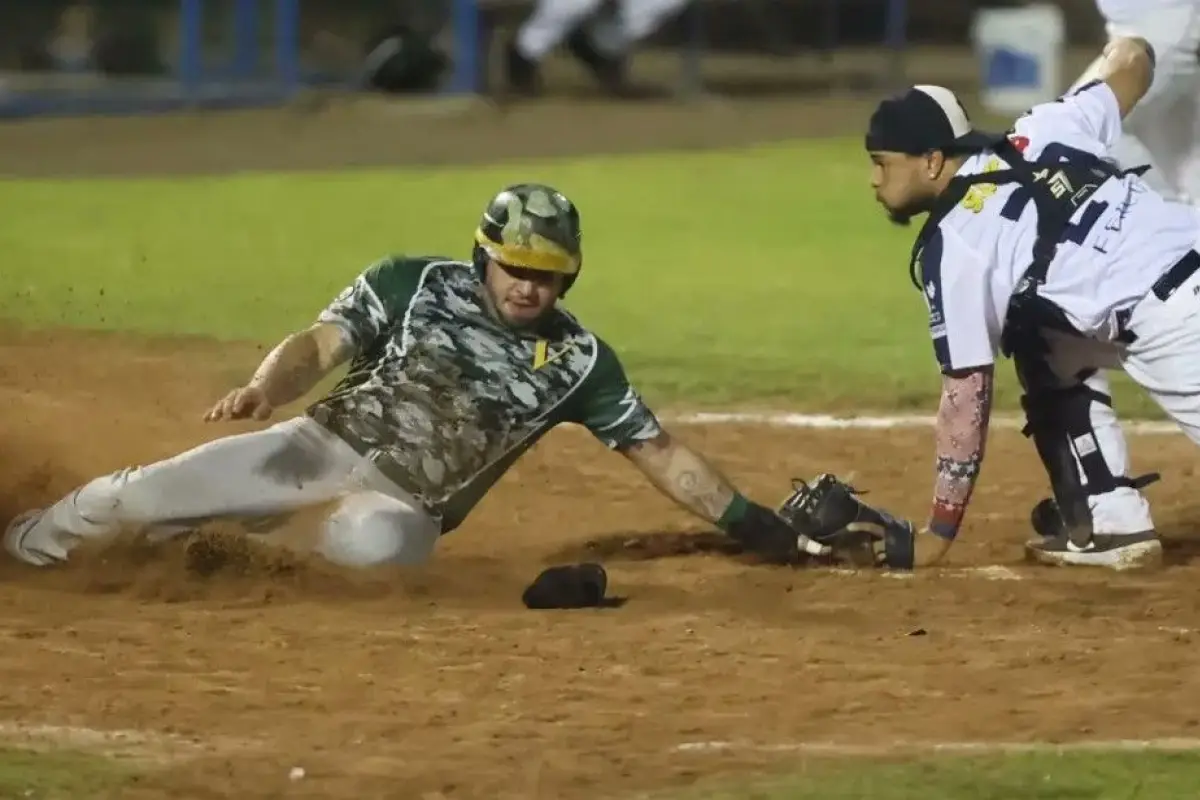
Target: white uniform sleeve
<point>1087,119</point>
<point>1095,107</point>
<point>957,294</point>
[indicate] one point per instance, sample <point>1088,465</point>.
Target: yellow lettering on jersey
<point>980,192</point>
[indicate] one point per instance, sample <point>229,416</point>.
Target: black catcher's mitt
<point>829,512</point>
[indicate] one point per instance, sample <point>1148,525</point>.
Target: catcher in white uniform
<point>1036,246</point>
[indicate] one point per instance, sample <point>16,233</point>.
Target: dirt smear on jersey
<point>220,637</point>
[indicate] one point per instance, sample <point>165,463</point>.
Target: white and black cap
<point>923,119</point>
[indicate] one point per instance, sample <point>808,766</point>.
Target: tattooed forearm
<point>299,362</point>
<point>962,426</point>
<point>684,476</point>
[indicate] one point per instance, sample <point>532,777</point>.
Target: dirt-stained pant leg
<point>1077,361</point>
<point>377,527</point>
<point>291,465</point>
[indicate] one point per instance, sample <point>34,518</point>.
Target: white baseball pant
<point>1164,360</point>
<point>553,20</point>
<point>289,466</point>
<point>1164,128</point>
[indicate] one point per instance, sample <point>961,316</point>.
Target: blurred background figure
<point>395,47</point>
<point>599,33</point>
<point>70,48</point>
<point>1163,130</point>
<point>87,38</point>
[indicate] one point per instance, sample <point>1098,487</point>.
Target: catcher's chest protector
<point>1058,189</point>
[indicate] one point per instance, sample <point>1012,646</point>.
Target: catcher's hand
<point>829,512</point>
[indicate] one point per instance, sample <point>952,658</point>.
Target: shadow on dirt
<point>1180,534</point>
<point>643,546</point>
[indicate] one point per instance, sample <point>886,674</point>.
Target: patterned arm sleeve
<point>962,427</point>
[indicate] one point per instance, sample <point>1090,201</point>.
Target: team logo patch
<point>542,355</point>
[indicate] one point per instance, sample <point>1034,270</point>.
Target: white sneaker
<point>1131,551</point>
<point>15,536</point>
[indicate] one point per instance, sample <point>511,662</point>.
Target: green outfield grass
<point>64,775</point>
<point>1042,776</point>
<point>764,276</point>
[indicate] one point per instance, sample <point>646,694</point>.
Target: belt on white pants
<point>1163,288</point>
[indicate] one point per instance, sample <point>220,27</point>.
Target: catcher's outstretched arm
<point>962,426</point>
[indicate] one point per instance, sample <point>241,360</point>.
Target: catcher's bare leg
<point>290,465</point>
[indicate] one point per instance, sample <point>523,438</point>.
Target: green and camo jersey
<point>443,397</point>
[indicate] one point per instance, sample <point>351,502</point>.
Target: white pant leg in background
<point>1165,358</point>
<point>634,21</point>
<point>1123,510</point>
<point>1188,129</point>
<point>550,23</point>
<point>288,466</point>
<point>1162,129</point>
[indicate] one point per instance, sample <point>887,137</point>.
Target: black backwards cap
<point>922,119</point>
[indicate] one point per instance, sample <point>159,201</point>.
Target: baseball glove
<point>829,512</point>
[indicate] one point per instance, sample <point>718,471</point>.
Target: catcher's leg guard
<point>1117,506</point>
<point>1060,422</point>
<point>1077,435</point>
<point>1052,420</point>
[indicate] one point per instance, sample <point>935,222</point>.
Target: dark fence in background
<point>58,56</point>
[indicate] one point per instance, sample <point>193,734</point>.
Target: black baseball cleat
<point>1142,550</point>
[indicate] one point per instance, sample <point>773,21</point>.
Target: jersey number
<point>1075,232</point>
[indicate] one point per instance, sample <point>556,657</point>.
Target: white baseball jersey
<point>1128,12</point>
<point>1117,245</point>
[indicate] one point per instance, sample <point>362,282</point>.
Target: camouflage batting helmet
<point>531,226</point>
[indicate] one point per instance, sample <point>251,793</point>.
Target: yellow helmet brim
<point>545,256</point>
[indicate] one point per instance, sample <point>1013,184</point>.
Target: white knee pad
<point>371,528</point>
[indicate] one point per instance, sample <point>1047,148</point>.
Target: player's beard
<point>494,305</point>
<point>902,215</point>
